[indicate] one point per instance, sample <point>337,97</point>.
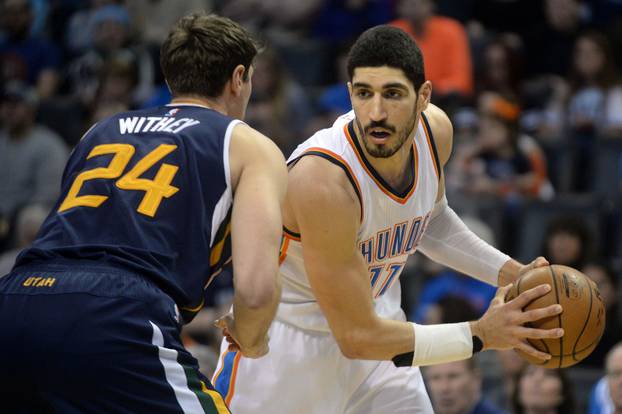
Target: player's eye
<point>393,94</point>
<point>363,93</point>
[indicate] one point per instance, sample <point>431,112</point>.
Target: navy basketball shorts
<point>77,340</point>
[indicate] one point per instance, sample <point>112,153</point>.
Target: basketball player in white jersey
<point>363,195</point>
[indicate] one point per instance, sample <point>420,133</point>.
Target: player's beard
<point>386,150</point>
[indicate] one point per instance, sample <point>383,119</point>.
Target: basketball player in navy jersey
<point>154,204</point>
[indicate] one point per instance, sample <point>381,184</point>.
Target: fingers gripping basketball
<point>582,318</point>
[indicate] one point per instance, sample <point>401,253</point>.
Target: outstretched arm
<point>449,241</point>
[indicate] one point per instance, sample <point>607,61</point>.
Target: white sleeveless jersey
<point>391,224</point>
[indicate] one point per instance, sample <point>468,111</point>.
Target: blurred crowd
<point>533,88</point>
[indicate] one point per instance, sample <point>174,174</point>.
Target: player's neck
<point>214,104</point>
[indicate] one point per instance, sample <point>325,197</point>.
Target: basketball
<point>582,318</point>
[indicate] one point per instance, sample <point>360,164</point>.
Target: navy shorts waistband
<point>59,278</point>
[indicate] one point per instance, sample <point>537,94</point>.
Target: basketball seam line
<point>559,317</point>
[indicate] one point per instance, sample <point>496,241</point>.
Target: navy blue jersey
<point>148,191</point>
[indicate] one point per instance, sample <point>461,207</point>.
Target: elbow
<point>259,295</point>
<point>351,344</point>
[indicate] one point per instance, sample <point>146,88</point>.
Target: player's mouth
<point>379,136</point>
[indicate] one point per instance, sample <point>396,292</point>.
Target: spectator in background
<point>568,241</point>
<point>445,47</point>
<point>500,68</point>
<point>111,40</point>
<point>80,31</point>
<point>116,87</point>
<point>32,60</point>
<point>32,157</point>
<point>607,283</point>
<point>503,162</point>
<point>448,393</point>
<point>594,104</point>
<point>292,18</point>
<point>27,224</point>
<point>279,107</point>
<point>550,50</point>
<point>456,388</point>
<point>543,391</point>
<point>550,45</point>
<point>501,374</point>
<point>606,396</point>
<point>152,18</point>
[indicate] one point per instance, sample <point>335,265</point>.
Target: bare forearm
<point>381,341</point>
<point>252,322</point>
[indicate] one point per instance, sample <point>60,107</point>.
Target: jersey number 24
<point>155,189</point>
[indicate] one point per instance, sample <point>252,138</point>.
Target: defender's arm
<point>259,179</point>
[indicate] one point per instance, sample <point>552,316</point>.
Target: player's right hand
<point>227,324</point>
<point>502,326</point>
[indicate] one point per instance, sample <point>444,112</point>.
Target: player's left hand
<point>256,350</point>
<point>227,324</point>
<point>538,262</point>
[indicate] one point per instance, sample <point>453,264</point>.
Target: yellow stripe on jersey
<point>216,253</point>
<point>216,399</point>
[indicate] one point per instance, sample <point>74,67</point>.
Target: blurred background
<point>533,88</point>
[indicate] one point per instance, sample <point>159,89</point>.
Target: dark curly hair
<point>388,46</point>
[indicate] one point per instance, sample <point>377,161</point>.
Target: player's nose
<point>378,112</point>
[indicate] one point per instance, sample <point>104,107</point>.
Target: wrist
<point>478,336</point>
<point>436,344</point>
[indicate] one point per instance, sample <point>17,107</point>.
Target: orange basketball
<point>582,318</point>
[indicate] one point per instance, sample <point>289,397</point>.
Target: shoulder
<point>315,181</point>
<point>249,139</point>
<point>252,144</point>
<point>251,148</point>
<point>442,131</point>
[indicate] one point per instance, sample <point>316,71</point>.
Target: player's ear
<point>237,79</point>
<point>424,95</point>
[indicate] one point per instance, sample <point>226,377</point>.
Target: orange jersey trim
<point>291,234</point>
<point>284,247</point>
<point>345,164</point>
<point>236,362</point>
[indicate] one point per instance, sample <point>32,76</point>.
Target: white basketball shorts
<point>305,373</point>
